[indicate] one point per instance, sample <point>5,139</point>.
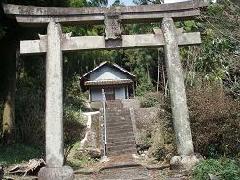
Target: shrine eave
<point>108,82</point>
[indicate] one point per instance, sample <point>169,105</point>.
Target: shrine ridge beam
<point>39,16</point>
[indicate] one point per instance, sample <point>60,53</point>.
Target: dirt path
<point>125,168</point>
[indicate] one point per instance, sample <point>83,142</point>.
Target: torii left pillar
<point>54,169</point>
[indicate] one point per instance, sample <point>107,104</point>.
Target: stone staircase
<point>120,136</point>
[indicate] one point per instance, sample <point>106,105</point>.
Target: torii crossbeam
<point>54,43</point>
<point>38,16</point>
<point>99,42</point>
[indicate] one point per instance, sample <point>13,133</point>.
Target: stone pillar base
<point>57,173</point>
<point>185,162</point>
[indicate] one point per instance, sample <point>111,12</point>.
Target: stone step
<point>109,110</point>
<point>120,147</point>
<point>115,110</point>
<point>120,121</point>
<point>115,137</point>
<point>114,104</point>
<point>117,118</point>
<point>113,127</point>
<point>118,171</point>
<point>123,127</point>
<point>119,139</point>
<point>125,172</point>
<point>122,151</point>
<point>114,115</point>
<point>118,124</point>
<point>116,143</point>
<point>120,131</point>
<point>120,134</point>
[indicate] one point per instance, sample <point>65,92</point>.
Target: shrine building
<point>117,82</point>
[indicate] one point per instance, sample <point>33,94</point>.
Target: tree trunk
<point>8,56</point>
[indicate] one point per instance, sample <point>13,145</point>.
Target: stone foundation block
<point>185,162</point>
<point>56,173</point>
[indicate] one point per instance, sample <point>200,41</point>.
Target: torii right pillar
<point>186,158</point>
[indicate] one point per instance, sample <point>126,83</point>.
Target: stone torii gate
<point>55,42</point>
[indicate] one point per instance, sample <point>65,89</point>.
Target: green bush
<point>74,125</point>
<point>225,169</point>
<point>74,129</point>
<point>151,100</point>
<point>144,86</point>
<point>79,159</point>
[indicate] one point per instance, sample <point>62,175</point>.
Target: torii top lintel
<point>39,16</point>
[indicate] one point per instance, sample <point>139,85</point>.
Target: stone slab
<point>185,162</point>
<point>61,173</point>
<point>98,42</point>
<point>91,15</point>
<point>11,9</point>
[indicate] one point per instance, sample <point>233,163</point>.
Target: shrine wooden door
<point>109,93</point>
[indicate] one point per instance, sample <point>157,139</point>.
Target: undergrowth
<point>17,153</point>
<point>215,118</point>
<point>150,100</point>
<point>78,159</point>
<point>223,169</point>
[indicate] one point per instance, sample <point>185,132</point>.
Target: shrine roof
<point>113,65</point>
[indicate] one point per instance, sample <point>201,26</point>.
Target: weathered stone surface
<point>11,9</point>
<point>54,95</point>
<point>112,24</point>
<point>130,14</point>
<point>213,177</point>
<point>54,109</point>
<point>177,89</point>
<point>184,162</point>
<point>57,173</point>
<point>98,42</point>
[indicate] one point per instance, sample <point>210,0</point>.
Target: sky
<point>130,2</point>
